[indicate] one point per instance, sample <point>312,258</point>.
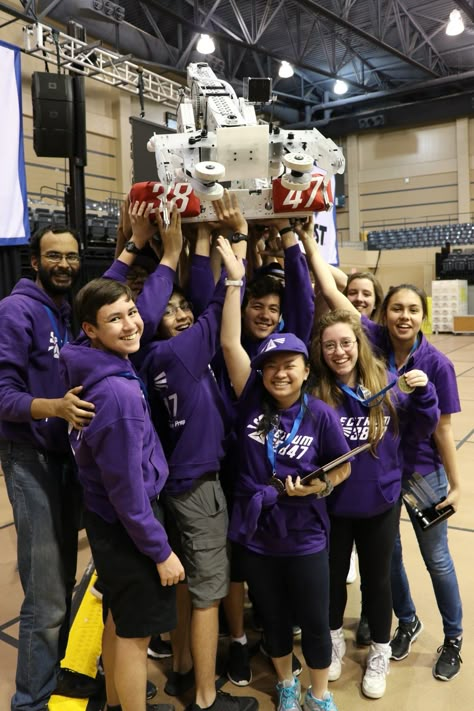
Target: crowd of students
<point>202,437</point>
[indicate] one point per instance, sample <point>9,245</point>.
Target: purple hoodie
<point>29,365</point>
<point>119,456</point>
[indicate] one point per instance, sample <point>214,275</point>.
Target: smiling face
<point>283,376</point>
<point>57,266</point>
<point>404,316</point>
<point>340,352</point>
<point>118,328</point>
<point>178,317</point>
<point>261,316</point>
<point>361,293</point>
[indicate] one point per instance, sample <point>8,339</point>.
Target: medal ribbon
<point>62,340</point>
<point>409,361</point>
<point>360,393</point>
<point>272,451</point>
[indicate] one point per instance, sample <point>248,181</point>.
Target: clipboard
<point>316,474</point>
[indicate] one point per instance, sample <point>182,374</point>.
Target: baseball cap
<point>273,269</point>
<point>278,343</point>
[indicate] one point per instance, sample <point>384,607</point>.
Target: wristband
<point>233,282</point>
<point>285,230</point>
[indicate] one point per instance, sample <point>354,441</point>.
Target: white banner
<point>14,226</point>
<point>325,232</point>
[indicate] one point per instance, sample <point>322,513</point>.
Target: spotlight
<point>455,25</point>
<point>205,45</point>
<point>340,87</point>
<point>286,70</point>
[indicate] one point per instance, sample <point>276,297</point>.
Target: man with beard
<point>36,460</point>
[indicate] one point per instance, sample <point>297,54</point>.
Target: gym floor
<point>410,686</point>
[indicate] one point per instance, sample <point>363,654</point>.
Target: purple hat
<point>278,343</point>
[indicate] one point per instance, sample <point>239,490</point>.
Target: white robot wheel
<point>209,170</point>
<point>290,182</point>
<point>208,192</point>
<point>301,162</point>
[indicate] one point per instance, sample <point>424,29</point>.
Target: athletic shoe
<point>363,634</point>
<point>151,690</point>
<point>178,684</point>
<point>296,631</point>
<point>296,666</point>
<point>404,636</point>
<point>226,702</point>
<point>378,664</point>
<point>159,648</point>
<point>352,573</point>
<point>289,695</point>
<point>77,686</point>
<point>448,664</point>
<point>311,703</point>
<point>338,652</point>
<point>238,669</point>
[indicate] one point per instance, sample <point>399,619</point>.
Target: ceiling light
<point>340,87</point>
<point>205,45</point>
<point>455,25</point>
<point>286,70</point>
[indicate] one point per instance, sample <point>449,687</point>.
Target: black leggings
<point>374,538</point>
<point>283,587</point>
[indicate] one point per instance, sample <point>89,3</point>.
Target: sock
<point>382,647</point>
<point>326,695</point>
<point>240,640</point>
<point>288,683</point>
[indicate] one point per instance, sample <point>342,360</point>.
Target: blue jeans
<point>435,551</point>
<point>45,496</point>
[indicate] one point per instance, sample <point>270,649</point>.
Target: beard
<point>46,278</point>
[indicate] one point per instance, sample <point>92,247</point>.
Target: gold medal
<point>403,385</point>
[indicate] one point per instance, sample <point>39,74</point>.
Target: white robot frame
<point>219,139</point>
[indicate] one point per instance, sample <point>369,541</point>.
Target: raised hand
<point>228,213</point>
<point>234,265</point>
<point>142,229</point>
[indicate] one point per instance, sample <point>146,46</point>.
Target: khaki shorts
<point>197,523</point>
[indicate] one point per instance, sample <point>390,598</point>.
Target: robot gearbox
<point>220,143</point>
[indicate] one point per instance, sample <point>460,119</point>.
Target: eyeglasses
<point>347,344</point>
<point>56,257</point>
<point>172,309</point>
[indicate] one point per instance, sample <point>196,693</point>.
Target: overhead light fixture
<point>286,70</point>
<point>340,87</point>
<point>455,25</point>
<point>205,45</point>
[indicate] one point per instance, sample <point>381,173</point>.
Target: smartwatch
<point>132,247</point>
<point>238,237</point>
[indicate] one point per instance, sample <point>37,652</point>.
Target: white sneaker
<point>378,665</point>
<point>338,652</point>
<point>352,574</point>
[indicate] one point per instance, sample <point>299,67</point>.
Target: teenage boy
<point>122,469</point>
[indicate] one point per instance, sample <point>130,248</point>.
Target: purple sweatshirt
<point>33,329</point>
<point>177,369</point>
<point>375,482</point>
<point>119,456</point>
<point>261,521</point>
<point>421,455</point>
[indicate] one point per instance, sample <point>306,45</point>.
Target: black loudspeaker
<point>80,144</point>
<point>53,114</point>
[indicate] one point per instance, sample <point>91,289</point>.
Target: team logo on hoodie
<point>357,428</point>
<point>53,344</point>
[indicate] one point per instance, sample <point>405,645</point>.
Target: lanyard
<point>131,376</point>
<point>62,340</point>
<point>391,359</point>
<point>272,451</point>
<point>363,395</point>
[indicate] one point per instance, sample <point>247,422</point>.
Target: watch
<point>132,247</point>
<point>329,486</point>
<point>238,237</point>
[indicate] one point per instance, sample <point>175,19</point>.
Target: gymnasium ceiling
<point>391,53</point>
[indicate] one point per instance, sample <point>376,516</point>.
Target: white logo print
<point>357,428</point>
<point>273,343</point>
<point>53,344</point>
<point>159,381</point>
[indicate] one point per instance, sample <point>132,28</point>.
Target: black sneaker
<point>448,664</point>
<point>159,707</point>
<point>296,665</point>
<point>363,634</point>
<point>226,702</point>
<point>76,685</point>
<point>404,636</point>
<point>159,648</point>
<point>151,690</point>
<point>238,670</point>
<point>178,684</point>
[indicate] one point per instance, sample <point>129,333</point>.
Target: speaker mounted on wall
<point>53,114</point>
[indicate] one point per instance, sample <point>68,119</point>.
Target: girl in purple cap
<point>400,341</point>
<point>279,526</point>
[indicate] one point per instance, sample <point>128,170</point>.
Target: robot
<point>220,143</point>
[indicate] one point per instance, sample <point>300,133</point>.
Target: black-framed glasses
<point>56,257</point>
<point>347,344</point>
<point>172,309</point>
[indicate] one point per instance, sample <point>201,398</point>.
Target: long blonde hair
<point>371,373</point>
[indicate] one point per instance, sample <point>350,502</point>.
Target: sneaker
<point>404,636</point>
<point>289,695</point>
<point>373,683</point>
<point>238,670</point>
<point>363,634</point>
<point>151,690</point>
<point>159,648</point>
<point>448,664</point>
<point>178,684</point>
<point>338,652</point>
<point>76,685</point>
<point>352,573</point>
<point>226,702</point>
<point>296,666</point>
<point>296,631</point>
<point>311,703</point>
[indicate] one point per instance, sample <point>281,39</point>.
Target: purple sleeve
<point>153,300</point>
<point>420,407</point>
<point>118,271</point>
<point>201,283</point>
<point>15,400</point>
<point>444,380</point>
<point>298,298</point>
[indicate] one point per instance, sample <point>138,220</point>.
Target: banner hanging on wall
<point>325,232</point>
<point>14,226</point>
